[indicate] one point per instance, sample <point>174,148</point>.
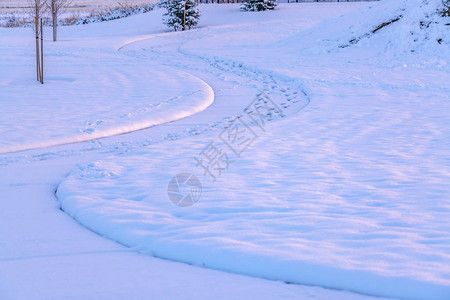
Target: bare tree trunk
<point>38,67</point>
<point>56,7</point>
<point>54,20</point>
<point>42,54</point>
<point>184,16</point>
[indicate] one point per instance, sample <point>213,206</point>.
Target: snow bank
<point>105,116</point>
<point>89,93</point>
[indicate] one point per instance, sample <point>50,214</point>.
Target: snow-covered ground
<point>342,184</point>
<point>21,6</point>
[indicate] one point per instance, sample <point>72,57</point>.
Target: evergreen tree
<point>258,5</point>
<point>446,10</point>
<point>181,14</point>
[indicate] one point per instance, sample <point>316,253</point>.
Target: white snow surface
<point>350,192</point>
<point>114,94</point>
<point>346,188</point>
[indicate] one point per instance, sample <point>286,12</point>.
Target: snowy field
<point>20,6</point>
<point>338,188</point>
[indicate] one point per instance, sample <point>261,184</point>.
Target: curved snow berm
<point>181,95</point>
<point>89,94</point>
<point>306,218</point>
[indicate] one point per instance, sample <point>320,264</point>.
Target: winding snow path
<point>111,95</point>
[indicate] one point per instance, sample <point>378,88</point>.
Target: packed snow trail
<point>287,92</point>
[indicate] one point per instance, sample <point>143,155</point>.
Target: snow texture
<point>344,184</point>
<point>347,190</point>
